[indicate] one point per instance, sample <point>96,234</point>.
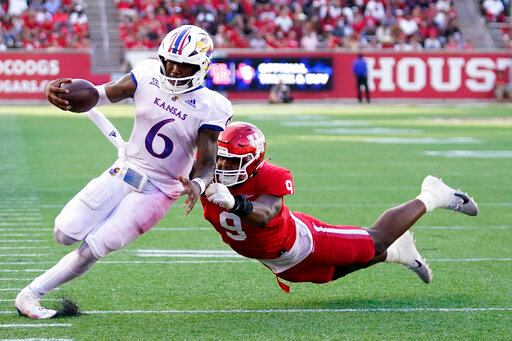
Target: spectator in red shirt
<point>500,86</point>
<point>291,40</point>
<point>60,17</point>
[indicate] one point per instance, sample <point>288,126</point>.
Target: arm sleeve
<point>142,69</point>
<point>220,115</point>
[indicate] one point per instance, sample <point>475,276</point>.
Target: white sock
<point>68,268</point>
<point>393,254</point>
<point>428,199</point>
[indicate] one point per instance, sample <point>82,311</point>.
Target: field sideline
<point>350,163</point>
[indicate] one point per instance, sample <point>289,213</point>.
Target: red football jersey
<point>249,240</point>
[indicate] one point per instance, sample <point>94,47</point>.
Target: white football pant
<point>108,214</point>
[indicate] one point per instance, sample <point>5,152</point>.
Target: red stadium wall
<point>23,75</point>
<point>404,75</point>
<point>464,75</point>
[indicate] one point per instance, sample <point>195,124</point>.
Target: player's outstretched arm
<point>120,89</point>
<point>258,213</point>
<point>202,172</point>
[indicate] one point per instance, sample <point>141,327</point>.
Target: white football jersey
<point>164,135</point>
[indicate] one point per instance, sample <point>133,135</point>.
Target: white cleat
<point>409,256</point>
<point>449,198</point>
<point>28,304</point>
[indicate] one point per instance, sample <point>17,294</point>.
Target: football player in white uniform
<point>174,115</point>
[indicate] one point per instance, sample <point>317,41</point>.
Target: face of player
<point>229,171</point>
<point>180,70</point>
<point>228,163</point>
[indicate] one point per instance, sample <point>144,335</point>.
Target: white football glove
<point>219,195</point>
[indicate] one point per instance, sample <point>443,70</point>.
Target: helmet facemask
<point>174,85</point>
<point>234,176</point>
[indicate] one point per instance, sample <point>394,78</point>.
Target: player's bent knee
<point>108,240</point>
<point>62,238</point>
<point>380,243</point>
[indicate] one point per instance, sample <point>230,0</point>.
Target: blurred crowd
<point>310,24</point>
<point>36,24</point>
<point>497,14</point>
<point>403,25</point>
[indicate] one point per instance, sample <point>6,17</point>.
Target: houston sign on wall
<point>435,76</point>
<point>24,75</point>
<point>398,75</point>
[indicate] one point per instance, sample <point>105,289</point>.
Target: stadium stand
<point>400,24</point>
<point>496,14</point>
<point>43,24</point>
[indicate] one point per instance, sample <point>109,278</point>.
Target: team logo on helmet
<point>204,46</point>
<point>257,140</point>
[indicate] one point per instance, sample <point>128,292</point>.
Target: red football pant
<point>333,246</point>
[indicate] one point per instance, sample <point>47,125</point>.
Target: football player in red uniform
<point>246,206</point>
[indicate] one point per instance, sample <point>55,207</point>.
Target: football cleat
<point>27,304</point>
<point>409,256</point>
<point>449,198</point>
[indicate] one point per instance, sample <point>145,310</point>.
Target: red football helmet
<point>243,141</point>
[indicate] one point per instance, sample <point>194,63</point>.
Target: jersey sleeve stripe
<point>210,126</point>
<point>134,80</point>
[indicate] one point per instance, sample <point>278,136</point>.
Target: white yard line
<point>42,299</point>
<point>281,311</point>
<point>20,212</point>
<point>38,325</point>
<point>242,260</point>
<point>11,229</point>
<point>23,247</point>
<point>22,241</point>
<point>22,270</point>
<point>20,234</point>
<point>486,204</point>
<point>24,255</point>
<point>182,228</point>
<point>38,339</point>
<point>471,260</point>
<point>497,227</point>
<point>20,224</point>
<point>179,261</point>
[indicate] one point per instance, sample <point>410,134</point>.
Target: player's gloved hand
<point>219,195</point>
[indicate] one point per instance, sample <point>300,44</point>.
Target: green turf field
<point>350,163</point>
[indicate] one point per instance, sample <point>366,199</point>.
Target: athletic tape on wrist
<point>243,206</point>
<point>103,98</point>
<point>201,184</point>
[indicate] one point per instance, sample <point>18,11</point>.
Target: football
<point>82,95</point>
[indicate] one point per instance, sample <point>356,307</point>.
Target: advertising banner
<point>253,74</point>
<point>426,75</point>
<point>23,75</point>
